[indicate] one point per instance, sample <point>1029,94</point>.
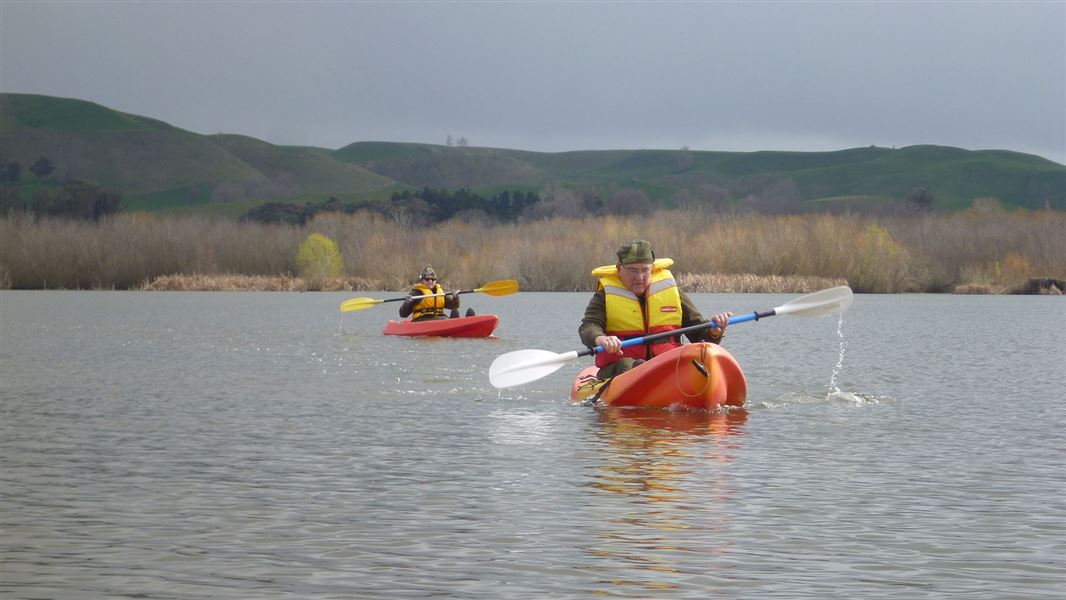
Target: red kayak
<point>475,326</point>
<point>698,376</point>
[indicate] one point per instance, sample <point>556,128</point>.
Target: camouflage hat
<point>636,251</point>
<point>427,272</point>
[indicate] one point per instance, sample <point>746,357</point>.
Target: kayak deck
<point>699,376</point>
<point>475,326</point>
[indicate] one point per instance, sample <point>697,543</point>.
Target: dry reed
<point>748,283</point>
<point>975,250</point>
<point>260,283</point>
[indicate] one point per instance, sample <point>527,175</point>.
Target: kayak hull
<point>700,376</point>
<point>475,326</point>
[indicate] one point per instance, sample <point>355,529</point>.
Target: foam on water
<point>833,397</point>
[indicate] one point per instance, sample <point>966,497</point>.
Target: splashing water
<point>833,389</point>
<point>834,397</point>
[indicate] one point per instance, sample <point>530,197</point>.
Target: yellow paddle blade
<point>501,287</point>
<point>359,304</point>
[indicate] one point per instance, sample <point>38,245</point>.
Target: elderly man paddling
<point>636,297</point>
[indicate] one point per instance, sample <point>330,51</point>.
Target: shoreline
<point>711,283</point>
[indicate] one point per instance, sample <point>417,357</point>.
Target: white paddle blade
<point>830,301</point>
<point>523,366</point>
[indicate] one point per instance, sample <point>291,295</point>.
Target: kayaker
<point>619,310</point>
<point>422,309</point>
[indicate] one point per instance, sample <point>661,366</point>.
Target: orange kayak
<point>698,376</point>
<point>475,326</point>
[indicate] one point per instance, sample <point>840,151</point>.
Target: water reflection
<point>660,423</point>
<point>652,450</point>
<point>670,469</point>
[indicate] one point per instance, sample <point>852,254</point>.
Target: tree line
<point>428,206</point>
<point>76,198</point>
<point>11,170</point>
<point>81,199</point>
<point>416,208</point>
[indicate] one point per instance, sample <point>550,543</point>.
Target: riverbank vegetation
<point>986,249</point>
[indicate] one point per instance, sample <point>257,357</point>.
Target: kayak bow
<point>700,376</point>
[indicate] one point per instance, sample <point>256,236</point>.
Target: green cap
<point>427,272</point>
<point>636,251</point>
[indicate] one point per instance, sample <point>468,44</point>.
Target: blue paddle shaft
<point>744,318</point>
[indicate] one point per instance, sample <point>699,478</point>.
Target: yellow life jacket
<point>428,307</point>
<point>627,319</point>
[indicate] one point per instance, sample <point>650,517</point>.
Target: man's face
<point>636,277</point>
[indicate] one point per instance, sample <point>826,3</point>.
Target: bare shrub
<point>629,201</point>
<point>555,202</point>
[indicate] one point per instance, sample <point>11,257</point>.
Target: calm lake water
<point>262,445</point>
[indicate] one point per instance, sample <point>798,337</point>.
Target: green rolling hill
<point>156,166</point>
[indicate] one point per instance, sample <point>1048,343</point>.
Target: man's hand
<point>721,320</point>
<point>611,344</point>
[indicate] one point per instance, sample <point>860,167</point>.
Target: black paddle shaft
<point>420,295</point>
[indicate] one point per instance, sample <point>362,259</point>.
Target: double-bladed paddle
<point>500,287</point>
<point>524,366</point>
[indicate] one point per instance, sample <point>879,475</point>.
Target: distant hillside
<point>421,165</point>
<point>157,166</point>
<point>774,179</point>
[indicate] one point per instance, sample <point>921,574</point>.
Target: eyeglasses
<point>638,271</point>
<point>429,279</point>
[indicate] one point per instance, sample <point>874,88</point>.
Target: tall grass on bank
<point>125,251</point>
<point>760,284</point>
<point>986,250</point>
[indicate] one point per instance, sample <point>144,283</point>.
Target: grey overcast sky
<point>558,76</point>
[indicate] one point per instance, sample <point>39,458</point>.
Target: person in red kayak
<point>635,297</point>
<point>422,309</point>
